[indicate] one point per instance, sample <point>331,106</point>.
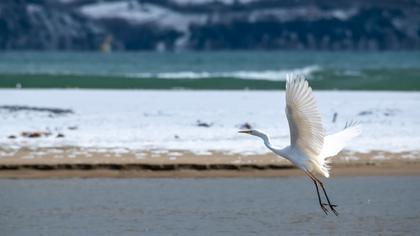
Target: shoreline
<point>171,171</point>
<point>71,162</point>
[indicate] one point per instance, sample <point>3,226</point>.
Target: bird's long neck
<point>267,141</point>
<point>268,144</point>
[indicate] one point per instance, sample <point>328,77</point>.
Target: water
<point>276,206</point>
<point>151,62</point>
<point>210,70</point>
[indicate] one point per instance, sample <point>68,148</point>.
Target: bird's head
<point>252,132</point>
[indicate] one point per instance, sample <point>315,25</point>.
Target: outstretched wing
<point>306,131</point>
<point>334,143</point>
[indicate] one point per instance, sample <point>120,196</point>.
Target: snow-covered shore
<point>169,120</point>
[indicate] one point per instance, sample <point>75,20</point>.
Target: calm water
<point>123,63</point>
<point>278,206</point>
<point>210,70</point>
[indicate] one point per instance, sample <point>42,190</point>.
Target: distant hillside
<point>209,24</point>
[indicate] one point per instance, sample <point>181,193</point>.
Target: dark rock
<point>36,134</point>
<point>52,111</point>
<point>390,112</point>
<point>203,124</point>
<point>365,113</point>
<point>60,135</point>
<point>72,127</point>
<point>11,137</point>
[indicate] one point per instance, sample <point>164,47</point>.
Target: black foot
<point>324,208</point>
<point>333,209</point>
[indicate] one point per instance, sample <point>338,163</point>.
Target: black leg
<point>328,200</point>
<point>332,206</point>
<point>319,199</point>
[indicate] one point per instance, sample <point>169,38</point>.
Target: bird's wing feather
<point>306,131</point>
<point>334,143</point>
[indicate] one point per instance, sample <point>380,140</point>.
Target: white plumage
<point>309,148</point>
<point>306,131</point>
<point>334,143</point>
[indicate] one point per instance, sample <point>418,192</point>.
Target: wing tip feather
<point>355,126</point>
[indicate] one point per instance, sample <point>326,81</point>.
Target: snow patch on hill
<point>141,14</point>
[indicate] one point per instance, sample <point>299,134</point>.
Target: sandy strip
<point>73,162</point>
<point>400,170</point>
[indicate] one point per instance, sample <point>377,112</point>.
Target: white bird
<point>309,148</point>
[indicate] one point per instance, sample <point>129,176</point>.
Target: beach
<point>115,133</point>
<point>196,121</point>
<point>71,162</point>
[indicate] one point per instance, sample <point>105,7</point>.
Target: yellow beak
<point>244,131</point>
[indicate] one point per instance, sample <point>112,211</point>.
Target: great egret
<point>310,148</point>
